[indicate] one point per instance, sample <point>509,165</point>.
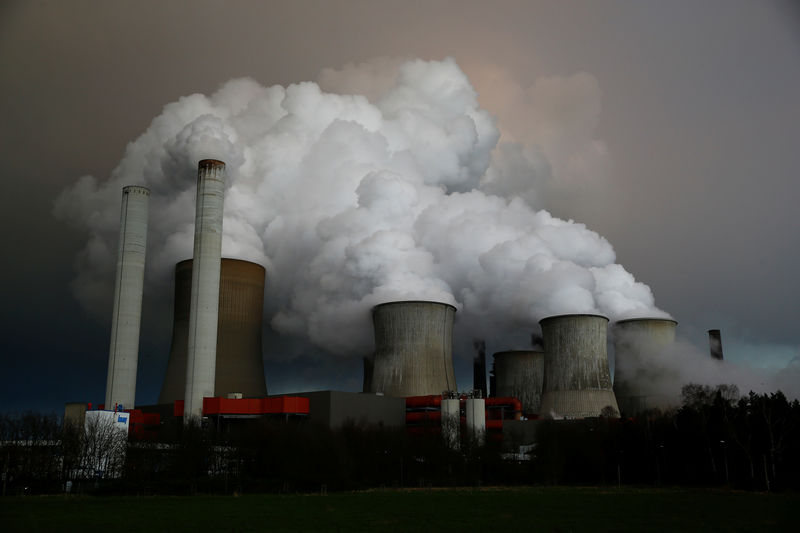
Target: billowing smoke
<point>350,201</point>
<point>658,373</point>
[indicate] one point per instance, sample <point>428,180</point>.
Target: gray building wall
<point>334,409</point>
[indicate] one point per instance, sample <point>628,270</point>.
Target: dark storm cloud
<point>698,114</point>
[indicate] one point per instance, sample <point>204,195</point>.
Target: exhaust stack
<point>123,353</point>
<point>204,308</point>
<point>715,344</point>
<point>479,366</point>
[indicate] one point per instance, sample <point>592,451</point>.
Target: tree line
<point>716,438</point>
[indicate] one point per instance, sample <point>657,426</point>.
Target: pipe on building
<point>204,308</point>
<point>413,348</point>
<point>519,374</point>
<point>123,353</point>
<point>239,364</point>
<point>577,382</point>
<point>637,342</point>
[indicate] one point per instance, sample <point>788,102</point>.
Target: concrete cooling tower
<point>413,348</point>
<point>123,354</point>
<point>577,383</point>
<point>239,363</point>
<point>519,374</point>
<point>637,342</point>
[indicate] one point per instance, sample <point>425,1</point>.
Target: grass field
<point>501,509</point>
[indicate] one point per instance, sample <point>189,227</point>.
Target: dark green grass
<point>502,509</point>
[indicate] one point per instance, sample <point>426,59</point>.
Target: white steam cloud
<point>660,373</point>
<point>351,200</point>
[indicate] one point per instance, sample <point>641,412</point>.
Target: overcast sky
<point>693,104</point>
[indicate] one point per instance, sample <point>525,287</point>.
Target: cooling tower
<point>239,363</point>
<point>203,309</point>
<point>715,344</point>
<point>123,353</point>
<point>637,342</point>
<point>413,348</point>
<point>518,374</point>
<point>577,383</point>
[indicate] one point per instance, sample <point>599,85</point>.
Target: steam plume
<point>349,202</point>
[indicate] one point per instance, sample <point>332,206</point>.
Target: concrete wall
<point>123,353</point>
<point>577,382</point>
<point>413,348</point>
<point>75,413</point>
<point>333,409</point>
<point>239,360</point>
<point>204,307</point>
<point>519,374</point>
<point>637,341</point>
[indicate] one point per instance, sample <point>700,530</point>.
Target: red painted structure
<point>424,415</point>
<point>143,426</point>
<point>283,405</point>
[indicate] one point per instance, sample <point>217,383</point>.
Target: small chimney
<point>715,343</point>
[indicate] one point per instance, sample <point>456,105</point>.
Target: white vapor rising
<point>661,373</point>
<point>351,201</point>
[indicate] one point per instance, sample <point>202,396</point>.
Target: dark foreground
<point>501,509</point>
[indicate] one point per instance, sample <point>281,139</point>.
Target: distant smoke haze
<point>662,372</point>
<point>413,191</point>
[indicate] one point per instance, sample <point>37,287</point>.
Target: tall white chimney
<point>203,313</point>
<point>123,353</point>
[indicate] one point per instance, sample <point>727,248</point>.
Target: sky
<point>669,129</point>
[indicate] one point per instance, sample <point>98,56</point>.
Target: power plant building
<point>239,365</point>
<point>519,374</point>
<point>637,342</point>
<point>577,381</point>
<point>413,349</point>
<point>123,354</point>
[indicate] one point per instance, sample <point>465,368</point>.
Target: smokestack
<point>577,383</point>
<point>519,374</point>
<point>240,364</point>
<point>636,342</point>
<point>413,348</point>
<point>492,382</point>
<point>715,343</point>
<point>479,367</point>
<point>203,311</point>
<point>123,353</point>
